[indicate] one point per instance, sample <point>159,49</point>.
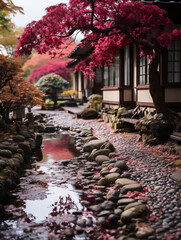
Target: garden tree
<point>9,68</point>
<point>58,67</point>
<point>108,25</point>
<point>50,84</point>
<point>19,93</point>
<point>36,59</point>
<point>8,38</point>
<point>7,7</point>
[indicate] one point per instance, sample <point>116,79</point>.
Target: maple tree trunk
<point>154,85</point>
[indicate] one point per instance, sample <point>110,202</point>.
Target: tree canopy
<point>7,7</point>
<point>58,67</point>
<point>108,25</point>
<point>50,84</point>
<point>14,90</point>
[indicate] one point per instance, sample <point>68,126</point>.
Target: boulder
<point>108,145</point>
<point>103,182</point>
<point>112,195</point>
<point>120,182</point>
<point>133,204</point>
<point>131,187</point>
<point>143,230</point>
<point>101,158</point>
<point>125,201</point>
<point>38,140</point>
<point>11,148</point>
<point>134,212</point>
<point>88,147</point>
<point>101,152</point>
<point>112,177</point>
<point>88,139</point>
<point>176,176</point>
<point>18,138</point>
<point>121,165</point>
<point>89,113</point>
<point>5,153</point>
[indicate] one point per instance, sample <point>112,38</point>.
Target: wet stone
<point>107,205</point>
<point>112,195</point>
<point>69,232</point>
<point>95,208</point>
<point>125,201</point>
<point>131,187</point>
<point>104,213</point>
<point>101,220</point>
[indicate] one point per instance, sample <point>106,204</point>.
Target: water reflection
<point>60,200</point>
<point>44,195</point>
<point>59,148</point>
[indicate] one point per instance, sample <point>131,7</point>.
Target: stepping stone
<point>176,176</point>
<point>112,177</point>
<point>125,201</point>
<point>134,212</point>
<point>120,182</point>
<point>131,187</point>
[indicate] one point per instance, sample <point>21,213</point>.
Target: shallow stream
<point>43,203</point>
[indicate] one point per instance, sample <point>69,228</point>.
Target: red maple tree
<point>108,25</point>
<point>53,66</point>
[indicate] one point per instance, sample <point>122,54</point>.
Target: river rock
<point>104,213</point>
<point>88,139</point>
<point>95,208</point>
<point>93,155</point>
<point>108,145</point>
<point>120,182</point>
<point>121,165</point>
<point>88,147</point>
<point>3,163</point>
<point>101,158</point>
<point>115,170</point>
<point>131,187</point>
<point>112,195</point>
<point>125,201</point>
<point>5,153</point>
<point>107,205</point>
<point>18,138</point>
<point>176,176</point>
<point>19,157</point>
<point>69,232</point>
<point>133,204</point>
<point>143,230</point>
<point>134,212</point>
<point>112,177</point>
<point>26,147</point>
<point>104,169</point>
<point>103,182</point>
<point>11,148</point>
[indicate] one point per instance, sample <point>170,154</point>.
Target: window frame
<point>112,70</point>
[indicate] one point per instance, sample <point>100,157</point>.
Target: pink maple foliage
<point>58,67</point>
<point>108,25</point>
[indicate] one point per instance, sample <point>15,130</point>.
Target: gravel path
<point>148,166</point>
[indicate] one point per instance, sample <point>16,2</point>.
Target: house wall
<point>111,96</point>
<point>143,96</point>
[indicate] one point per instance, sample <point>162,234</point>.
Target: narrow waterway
<point>44,201</point>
